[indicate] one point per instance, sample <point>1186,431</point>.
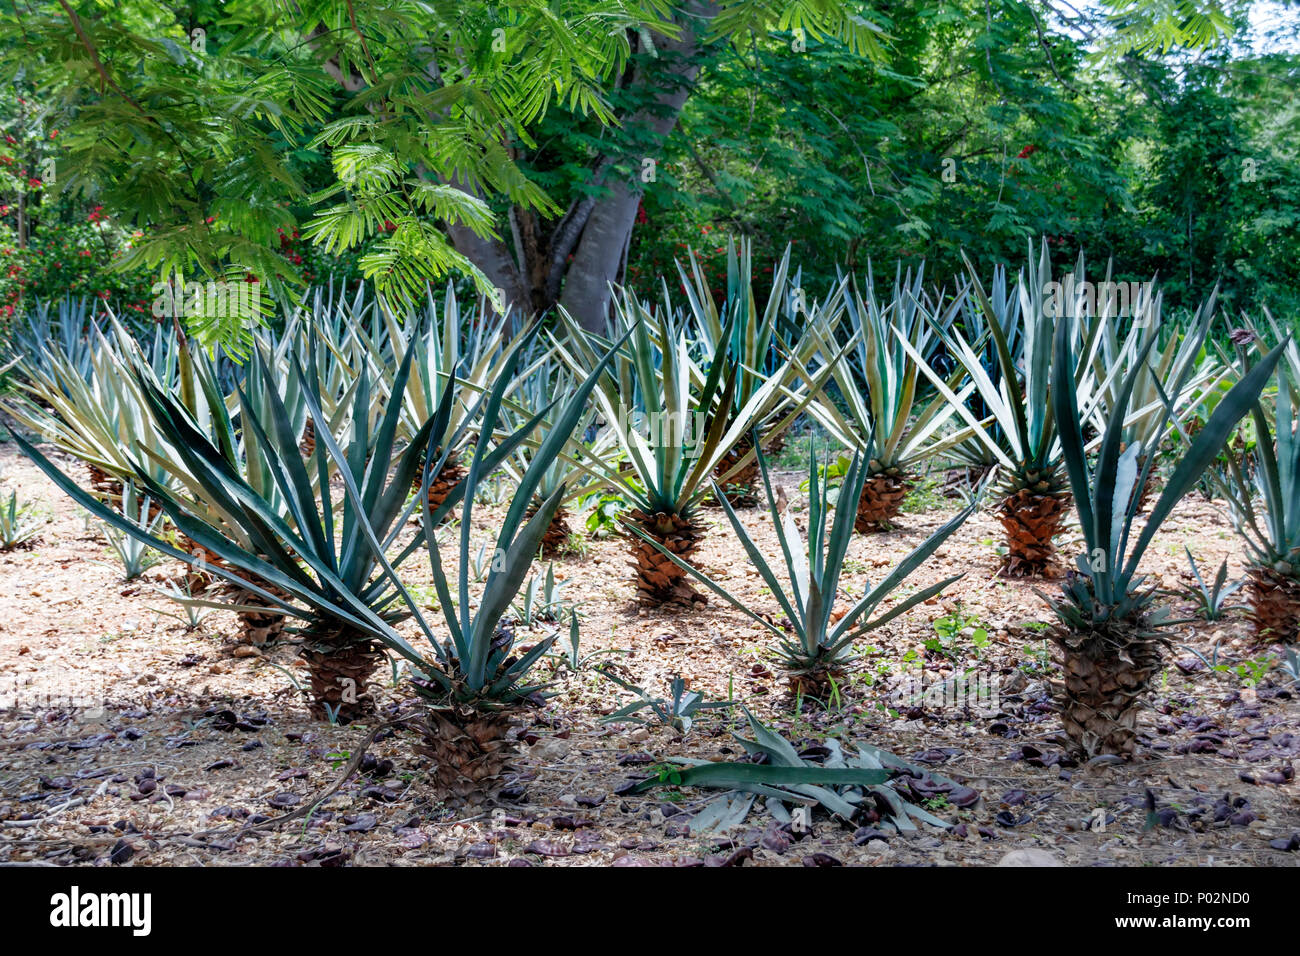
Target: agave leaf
<point>1205,447</point>
<point>902,570</point>
<point>722,813</point>
<point>741,776</point>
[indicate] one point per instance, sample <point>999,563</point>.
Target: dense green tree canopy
<point>520,144</point>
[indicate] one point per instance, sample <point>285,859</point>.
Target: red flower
<point>1027,152</point>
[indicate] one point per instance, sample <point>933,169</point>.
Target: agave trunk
<point>741,487</point>
<point>658,579</point>
<point>817,681</point>
<point>307,446</point>
<point>258,627</point>
<point>197,576</point>
<point>1103,680</point>
<point>558,531</point>
<point>1274,600</point>
<point>255,627</point>
<point>444,482</point>
<point>1030,520</point>
<point>340,665</point>
<point>881,501</point>
<point>469,750</point>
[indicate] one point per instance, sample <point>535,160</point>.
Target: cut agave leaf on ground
<point>849,779</point>
<point>722,813</point>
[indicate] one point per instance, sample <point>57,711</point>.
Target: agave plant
<point>1273,537</point>
<point>573,657</point>
<point>472,349</point>
<point>268,390</point>
<point>1020,429</point>
<point>857,783</point>
<point>673,422</point>
<point>1171,372</point>
<point>477,681</point>
<point>678,711</point>
<point>542,599</point>
<point>61,330</point>
<point>302,553</point>
<point>131,550</point>
<point>1004,308</point>
<point>1210,600</point>
<point>884,349</point>
<point>86,401</point>
<point>17,523</point>
<point>1109,633</point>
<point>816,646</point>
<point>750,339</point>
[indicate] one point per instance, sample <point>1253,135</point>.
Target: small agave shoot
<point>1273,537</point>
<point>678,711</point>
<point>817,649</point>
<point>1109,632</point>
<point>1210,600</point>
<point>17,523</point>
<point>136,556</point>
<point>295,548</point>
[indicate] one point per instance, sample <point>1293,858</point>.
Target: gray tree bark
<point>599,255</point>
<point>596,231</point>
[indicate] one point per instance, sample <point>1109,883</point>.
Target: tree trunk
<point>493,257</point>
<point>586,248</point>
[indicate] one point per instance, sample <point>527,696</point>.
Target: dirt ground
<point>196,742</point>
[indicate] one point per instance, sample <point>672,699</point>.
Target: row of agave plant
<point>292,476</point>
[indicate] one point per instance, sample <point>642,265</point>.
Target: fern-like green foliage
<point>378,124</point>
<point>1149,26</point>
<point>206,127</point>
